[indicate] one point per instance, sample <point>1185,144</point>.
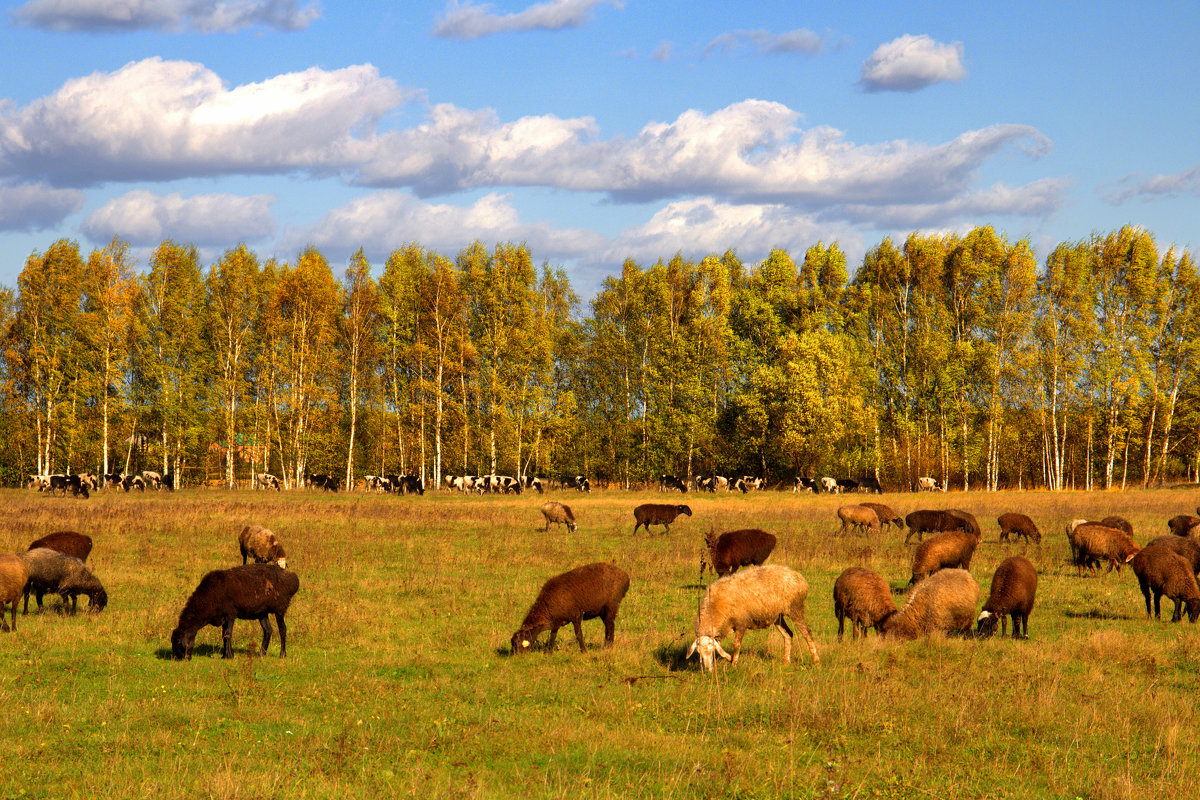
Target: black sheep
<point>938,520</point>
<point>587,592</point>
<point>735,549</point>
<point>252,591</point>
<point>657,514</point>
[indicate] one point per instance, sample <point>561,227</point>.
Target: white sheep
<point>753,598</point>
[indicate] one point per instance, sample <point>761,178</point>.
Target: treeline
<point>953,356</point>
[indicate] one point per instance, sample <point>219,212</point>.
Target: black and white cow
<point>846,485</point>
<point>749,483</point>
<point>579,483</point>
<point>803,484</point>
<point>152,478</point>
<point>130,482</point>
<point>870,484</point>
<point>829,485</point>
<point>113,480</point>
<point>930,485</point>
<point>265,480</point>
<point>409,484</point>
<point>672,483</point>
<point>322,481</point>
<point>68,483</point>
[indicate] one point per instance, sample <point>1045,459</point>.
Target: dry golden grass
<point>398,681</point>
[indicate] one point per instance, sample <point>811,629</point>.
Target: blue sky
<point>593,130</point>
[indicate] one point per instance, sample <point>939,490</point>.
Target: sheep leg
<point>841,622</point>
<point>737,644</point>
<point>610,627</point>
<point>26,611</point>
<point>227,638</point>
<point>266,626</point>
<point>781,623</point>
<point>579,634</point>
<point>1004,626</point>
<point>1145,587</point>
<point>282,635</point>
<point>553,636</point>
<point>1178,615</point>
<point>1157,604</point>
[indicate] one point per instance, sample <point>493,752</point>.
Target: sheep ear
<point>691,650</point>
<point>984,616</point>
<point>1131,555</point>
<point>721,651</point>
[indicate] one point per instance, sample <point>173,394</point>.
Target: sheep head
<point>97,600</point>
<point>683,510</point>
<point>1193,610</point>
<point>522,641</point>
<point>572,526</point>
<point>181,644</point>
<point>986,625</point>
<point>707,647</point>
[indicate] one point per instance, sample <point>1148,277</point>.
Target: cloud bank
<point>205,16</point>
<point>144,219</point>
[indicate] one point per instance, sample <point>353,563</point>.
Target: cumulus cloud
<point>1185,183</point>
<point>35,206</point>
<point>143,218</point>
<point>752,151</point>
<point>382,221</point>
<point>911,63</point>
<point>470,21</point>
<point>800,40</point>
<point>207,16</point>
<point>1041,198</point>
<point>157,120</point>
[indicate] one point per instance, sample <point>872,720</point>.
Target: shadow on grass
<point>1095,613</point>
<point>674,658</point>
<point>199,651</point>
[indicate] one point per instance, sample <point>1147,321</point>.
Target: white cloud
<point>800,40</point>
<point>144,218</point>
<point>910,63</point>
<point>35,206</point>
<point>155,119</point>
<point>1185,183</point>
<point>208,16</point>
<point>470,21</point>
<point>1040,198</point>
<point>382,221</point>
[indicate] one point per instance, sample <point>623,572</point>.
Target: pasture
<point>398,681</point>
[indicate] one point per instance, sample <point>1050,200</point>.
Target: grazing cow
<point>706,484</point>
<point>168,481</point>
<point>152,478</point>
<point>671,483</point>
<point>803,484</point>
<point>131,482</point>
<point>533,482</point>
<point>847,485</point>
<point>829,485</point>
<point>410,484</point>
<point>579,483</point>
<point>113,480</point>
<point>265,480</point>
<point>930,485</point>
<point>870,484</point>
<point>68,483</point>
<point>324,482</point>
<point>749,483</point>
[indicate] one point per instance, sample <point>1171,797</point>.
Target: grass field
<point>398,681</point>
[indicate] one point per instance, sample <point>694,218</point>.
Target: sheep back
<point>945,550</point>
<point>1014,524</point>
<point>865,598</point>
<point>942,603</point>
<point>262,545</point>
<point>1014,587</point>
<point>1161,571</point>
<point>1184,546</point>
<point>1093,542</point>
<point>251,591</point>
<point>1120,523</point>
<point>14,575</point>
<point>735,549</point>
<point>68,542</point>
<point>587,592</point>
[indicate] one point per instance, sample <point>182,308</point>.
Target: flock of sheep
<point>943,599</point>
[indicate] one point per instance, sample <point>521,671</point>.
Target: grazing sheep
<point>1014,586</point>
<point>735,549</point>
<point>559,514</point>
<point>753,598</point>
<point>938,520</point>
<point>1160,571</point>
<point>1183,524</point>
<point>657,514</point>
<point>943,603</point>
<point>14,575</point>
<point>859,517</point>
<point>258,543</point>
<point>1093,543</point>
<point>1014,524</point>
<point>945,550</point>
<point>57,573</point>
<point>68,542</point>
<point>1120,523</point>
<point>253,591</point>
<point>886,515</point>
<point>587,592</point>
<point>863,596</point>
<point>1184,546</point>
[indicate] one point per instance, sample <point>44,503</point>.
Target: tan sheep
<point>858,517</point>
<point>559,514</point>
<point>942,603</point>
<point>1093,543</point>
<point>751,599</point>
<point>863,596</point>
<point>886,514</point>
<point>261,544</point>
<point>944,550</point>
<point>13,577</point>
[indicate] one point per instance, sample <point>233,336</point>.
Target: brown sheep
<point>64,575</point>
<point>863,596</point>
<point>1093,543</point>
<point>262,545</point>
<point>69,543</point>
<point>754,598</point>
<point>13,577</point>
<point>944,550</point>
<point>858,516</point>
<point>559,514</point>
<point>1014,524</point>
<point>942,603</point>
<point>886,515</point>
<point>1120,523</point>
<point>587,592</point>
<point>1014,586</point>
<point>1183,524</point>
<point>734,549</point>
<point>1184,546</point>
<point>657,514</point>
<point>252,591</point>
<point>1160,571</point>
